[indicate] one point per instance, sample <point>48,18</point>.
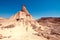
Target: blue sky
<point>37,8</point>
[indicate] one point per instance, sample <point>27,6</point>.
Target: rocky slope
<point>52,25</point>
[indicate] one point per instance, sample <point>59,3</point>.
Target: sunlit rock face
<point>21,26</point>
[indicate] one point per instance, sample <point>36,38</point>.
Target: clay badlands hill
<point>22,26</point>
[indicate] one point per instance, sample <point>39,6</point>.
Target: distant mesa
<point>50,19</point>
<point>2,19</point>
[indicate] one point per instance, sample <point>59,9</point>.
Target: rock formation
<point>20,26</point>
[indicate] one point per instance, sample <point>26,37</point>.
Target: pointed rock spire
<point>22,14</point>
<point>24,9</point>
